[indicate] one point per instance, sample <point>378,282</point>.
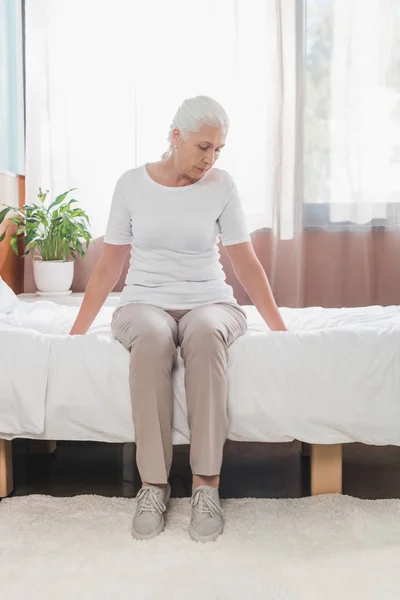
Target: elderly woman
<point>169,214</point>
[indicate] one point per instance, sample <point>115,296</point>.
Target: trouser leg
<point>150,334</point>
<point>205,334</point>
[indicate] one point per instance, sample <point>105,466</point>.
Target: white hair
<point>194,112</point>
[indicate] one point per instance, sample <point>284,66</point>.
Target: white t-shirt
<point>174,235</point>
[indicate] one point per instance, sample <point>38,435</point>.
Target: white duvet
<point>333,378</point>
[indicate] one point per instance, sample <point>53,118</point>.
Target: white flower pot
<point>53,276</point>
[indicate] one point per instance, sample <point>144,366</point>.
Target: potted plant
<point>54,236</point>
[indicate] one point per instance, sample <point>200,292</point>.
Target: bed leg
<point>6,468</point>
<point>42,446</point>
<point>326,469</point>
<point>305,449</point>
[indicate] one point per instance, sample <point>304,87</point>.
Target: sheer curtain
<point>365,111</point>
<point>353,101</point>
<point>104,80</point>
<point>312,91</point>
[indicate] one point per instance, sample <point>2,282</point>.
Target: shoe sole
<point>160,528</point>
<point>205,538</point>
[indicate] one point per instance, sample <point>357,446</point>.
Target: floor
<point>249,470</point>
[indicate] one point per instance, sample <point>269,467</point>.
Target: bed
<point>334,378</point>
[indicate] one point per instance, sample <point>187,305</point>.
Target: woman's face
<point>198,152</point>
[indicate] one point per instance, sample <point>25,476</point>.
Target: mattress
<point>334,377</point>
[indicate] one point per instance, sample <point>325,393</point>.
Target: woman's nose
<point>209,158</point>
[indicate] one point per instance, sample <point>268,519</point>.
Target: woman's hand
<point>77,330</point>
<point>279,328</point>
<point>274,320</point>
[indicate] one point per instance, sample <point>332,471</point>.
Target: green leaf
<point>42,195</point>
<point>3,235</point>
<point>79,247</point>
<point>66,207</point>
<point>61,198</point>
<point>16,220</point>
<point>4,212</point>
<point>13,244</point>
<point>28,238</point>
<point>43,219</point>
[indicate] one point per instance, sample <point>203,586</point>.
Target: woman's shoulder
<point>130,175</point>
<point>133,172</point>
<point>221,177</point>
<point>217,173</point>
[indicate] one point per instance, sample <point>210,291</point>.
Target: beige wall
<point>320,269</point>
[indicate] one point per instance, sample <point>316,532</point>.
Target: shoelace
<point>204,503</point>
<point>150,501</point>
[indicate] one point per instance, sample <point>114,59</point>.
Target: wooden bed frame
<point>325,465</point>
<point>325,460</point>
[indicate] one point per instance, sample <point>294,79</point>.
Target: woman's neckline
<point>178,188</point>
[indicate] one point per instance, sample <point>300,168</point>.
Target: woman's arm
<point>256,284</point>
<point>103,279</point>
<point>251,275</point>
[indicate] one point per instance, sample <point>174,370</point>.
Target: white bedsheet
<point>24,357</point>
<point>333,378</point>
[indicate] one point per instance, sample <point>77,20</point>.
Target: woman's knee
<point>205,344</point>
<point>154,339</point>
<point>150,342</point>
<point>206,334</point>
<point>144,330</point>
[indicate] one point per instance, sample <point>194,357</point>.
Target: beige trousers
<point>152,334</point>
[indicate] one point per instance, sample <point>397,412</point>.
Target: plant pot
<point>53,276</point>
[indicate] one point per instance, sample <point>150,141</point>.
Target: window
<point>352,113</point>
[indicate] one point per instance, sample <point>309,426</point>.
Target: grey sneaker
<point>151,503</point>
<point>207,521</point>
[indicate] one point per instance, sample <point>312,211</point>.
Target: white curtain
<point>311,88</point>
<point>104,80</point>
<point>365,110</point>
<point>352,135</point>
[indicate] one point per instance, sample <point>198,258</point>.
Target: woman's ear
<point>176,137</point>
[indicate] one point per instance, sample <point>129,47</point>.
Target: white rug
<point>322,548</point>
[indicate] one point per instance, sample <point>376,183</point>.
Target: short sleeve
<point>118,230</point>
<point>232,221</point>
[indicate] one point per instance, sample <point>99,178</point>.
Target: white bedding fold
<point>24,359</point>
